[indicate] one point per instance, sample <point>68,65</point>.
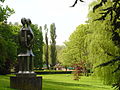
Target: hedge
<point>53,72</point>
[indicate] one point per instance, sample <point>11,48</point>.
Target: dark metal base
<point>26,82</point>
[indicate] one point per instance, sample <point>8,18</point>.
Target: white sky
<point>43,12</point>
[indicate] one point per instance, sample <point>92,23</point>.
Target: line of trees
<point>50,50</point>
<point>9,48</point>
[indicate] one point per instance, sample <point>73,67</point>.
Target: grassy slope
<point>62,82</point>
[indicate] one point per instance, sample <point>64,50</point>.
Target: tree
<point>53,53</point>
<point>8,55</point>
<point>111,13</point>
<point>59,49</point>
<point>93,43</point>
<point>46,46</point>
<point>3,55</point>
<point>104,50</point>
<point>8,46</point>
<point>38,46</point>
<point>75,50</point>
<point>5,12</point>
<point>41,48</point>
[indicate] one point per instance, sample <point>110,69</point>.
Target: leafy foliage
<point>46,47</point>
<point>96,42</point>
<point>53,53</point>
<point>113,61</point>
<point>2,0</point>
<point>8,47</point>
<point>111,13</point>
<point>104,50</point>
<point>5,12</point>
<point>38,46</point>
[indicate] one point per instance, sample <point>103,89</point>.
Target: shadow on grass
<point>72,84</point>
<point>8,88</point>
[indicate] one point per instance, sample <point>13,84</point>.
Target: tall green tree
<point>41,47</point>
<point>38,46</point>
<point>53,52</point>
<point>8,55</point>
<point>75,49</point>
<point>8,47</point>
<point>46,46</point>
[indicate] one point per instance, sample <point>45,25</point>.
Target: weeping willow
<point>93,42</point>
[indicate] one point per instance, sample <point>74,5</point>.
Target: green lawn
<point>62,82</point>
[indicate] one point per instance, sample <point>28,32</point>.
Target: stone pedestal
<point>26,82</point>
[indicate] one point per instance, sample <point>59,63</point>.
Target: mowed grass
<point>66,82</point>
<point>61,82</point>
<point>5,82</point>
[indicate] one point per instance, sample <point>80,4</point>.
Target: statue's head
<point>23,21</point>
<point>28,21</point>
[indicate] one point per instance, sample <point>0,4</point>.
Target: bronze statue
<point>26,39</point>
<point>26,79</point>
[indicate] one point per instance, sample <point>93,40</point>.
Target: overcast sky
<point>43,12</point>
